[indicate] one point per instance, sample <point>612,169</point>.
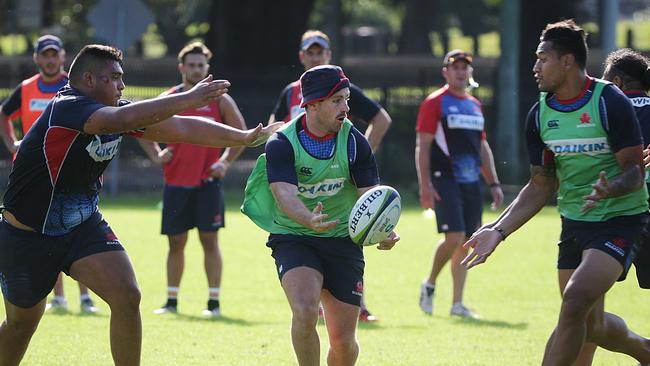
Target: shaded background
<point>391,48</point>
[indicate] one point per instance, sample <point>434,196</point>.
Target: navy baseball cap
<point>48,42</point>
<point>314,40</point>
<point>455,55</point>
<point>321,82</point>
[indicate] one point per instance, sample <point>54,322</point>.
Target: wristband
<point>492,185</point>
<point>501,232</point>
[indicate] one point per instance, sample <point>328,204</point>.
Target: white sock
<point>172,292</point>
<point>60,299</point>
<point>213,293</point>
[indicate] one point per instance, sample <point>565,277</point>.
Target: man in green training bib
<point>584,142</point>
<point>302,191</point>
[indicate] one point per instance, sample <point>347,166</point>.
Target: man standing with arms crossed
<point>27,102</point>
<point>302,191</point>
<point>315,51</point>
<point>584,142</point>
<point>451,152</point>
<point>193,195</point>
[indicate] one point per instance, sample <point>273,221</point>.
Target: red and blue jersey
<point>192,164</point>
<point>457,124</point>
<point>57,175</point>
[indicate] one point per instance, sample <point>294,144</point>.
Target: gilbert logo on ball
<point>374,215</point>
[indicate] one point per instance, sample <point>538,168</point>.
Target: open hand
<point>208,90</point>
<point>258,135</point>
<point>599,192</point>
<point>316,222</point>
<point>484,242</point>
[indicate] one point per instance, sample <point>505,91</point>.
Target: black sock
<point>213,304</point>
<point>171,303</point>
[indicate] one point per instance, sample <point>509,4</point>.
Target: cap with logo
<point>455,55</point>
<point>48,42</point>
<point>321,82</point>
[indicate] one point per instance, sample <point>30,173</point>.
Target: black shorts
<point>339,260</point>
<point>185,208</point>
<point>620,237</point>
<point>31,262</point>
<point>642,260</point>
<point>460,207</point>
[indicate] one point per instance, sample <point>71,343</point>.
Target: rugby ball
<point>374,215</point>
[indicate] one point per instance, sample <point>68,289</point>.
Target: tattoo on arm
<point>547,170</point>
<point>630,180</point>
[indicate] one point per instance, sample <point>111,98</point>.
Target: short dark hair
<point>567,37</point>
<point>631,66</point>
<point>92,56</point>
<point>194,48</point>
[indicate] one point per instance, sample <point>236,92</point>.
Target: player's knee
<point>454,239</point>
<point>344,342</point>
<point>305,314</point>
<point>575,304</point>
<point>23,327</point>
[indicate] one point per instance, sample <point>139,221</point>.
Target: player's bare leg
<point>587,285</point>
<point>302,286</point>
<point>110,275</point>
<point>341,322</point>
<point>17,330</point>
<point>445,250</point>
<point>176,259</point>
<point>213,263</point>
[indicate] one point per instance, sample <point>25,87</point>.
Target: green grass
<point>515,292</point>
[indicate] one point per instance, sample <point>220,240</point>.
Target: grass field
<point>515,293</point>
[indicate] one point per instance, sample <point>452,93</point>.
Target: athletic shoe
<point>366,317</point>
<point>87,306</point>
<point>458,309</point>
<point>426,297</point>
<point>214,313</point>
<point>57,305</point>
<point>166,309</point>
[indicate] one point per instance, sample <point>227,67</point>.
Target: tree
<point>256,36</point>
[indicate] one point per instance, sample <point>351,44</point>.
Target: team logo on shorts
<point>358,290</point>
<point>111,238</point>
<point>618,245</point>
<point>218,220</point>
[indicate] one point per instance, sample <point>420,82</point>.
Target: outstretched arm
<point>202,131</point>
<point>138,115</point>
<point>540,188</point>
<point>233,118</point>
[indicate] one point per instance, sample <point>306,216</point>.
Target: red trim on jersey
<point>295,98</point>
<point>430,112</point>
<point>580,95</point>
<point>57,143</point>
<point>303,121</point>
<point>634,91</point>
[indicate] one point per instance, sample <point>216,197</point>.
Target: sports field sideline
<point>515,293</point>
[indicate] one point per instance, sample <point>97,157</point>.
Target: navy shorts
<point>620,237</point>
<point>642,260</point>
<point>339,260</point>
<point>185,208</point>
<point>460,206</point>
<point>31,262</point>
